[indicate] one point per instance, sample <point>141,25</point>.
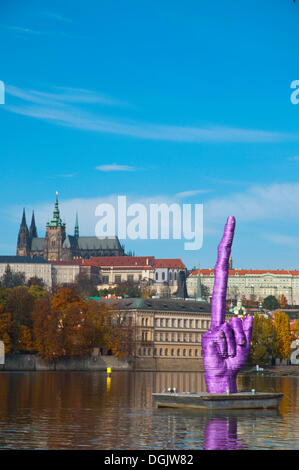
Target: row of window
<point>118,278</point>
<point>173,337</point>
<point>179,323</point>
<point>172,276</point>
<point>166,352</point>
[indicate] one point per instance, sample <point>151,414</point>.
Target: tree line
<point>60,324</point>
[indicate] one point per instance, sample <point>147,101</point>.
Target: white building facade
<point>249,283</point>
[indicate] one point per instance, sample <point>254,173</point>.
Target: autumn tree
<point>48,337</point>
<point>263,340</point>
<point>77,330</point>
<point>119,333</point>
<point>5,331</point>
<point>282,328</point>
<point>96,313</point>
<point>19,304</point>
<point>295,331</point>
<point>25,342</point>
<point>63,298</point>
<point>282,300</point>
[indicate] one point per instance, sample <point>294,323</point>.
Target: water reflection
<point>73,410</point>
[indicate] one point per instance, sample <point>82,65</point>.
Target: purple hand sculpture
<point>221,434</point>
<point>225,346</point>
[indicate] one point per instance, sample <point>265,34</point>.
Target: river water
<point>87,410</point>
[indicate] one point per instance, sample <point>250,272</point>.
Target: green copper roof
<point>56,220</point>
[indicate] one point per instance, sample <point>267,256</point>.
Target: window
<point>166,352</point>
<point>157,276</point>
<point>178,352</point>
<point>172,352</point>
<point>163,276</point>
<point>184,352</point>
<point>190,352</point>
<point>161,352</point>
<point>170,276</point>
<point>117,279</point>
<point>130,278</point>
<point>105,279</point>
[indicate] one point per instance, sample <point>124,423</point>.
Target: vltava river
<point>87,410</point>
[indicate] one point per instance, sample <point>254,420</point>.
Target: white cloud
<point>56,108</point>
<point>272,202</point>
<point>115,167</point>
<point>282,239</point>
<point>190,193</point>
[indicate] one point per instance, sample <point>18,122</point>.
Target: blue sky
<point>185,102</point>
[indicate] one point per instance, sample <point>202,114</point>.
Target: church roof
<point>37,244</point>
<point>22,259</point>
<point>98,243</point>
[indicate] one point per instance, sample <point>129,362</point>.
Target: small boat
<point>218,401</point>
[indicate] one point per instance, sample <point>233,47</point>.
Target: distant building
<point>167,275</point>
<point>31,267</point>
<point>66,272</point>
<point>57,245</point>
<point>159,275</point>
<point>251,282</point>
<point>167,329</point>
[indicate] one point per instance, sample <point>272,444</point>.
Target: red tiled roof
<point>124,261</point>
<point>243,272</point>
<point>169,263</point>
<point>69,263</point>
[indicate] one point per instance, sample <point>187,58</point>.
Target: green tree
<point>270,303</point>
<point>35,281</point>
<point>84,286</point>
<point>4,293</point>
<point>11,279</point>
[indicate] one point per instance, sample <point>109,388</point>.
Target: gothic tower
<point>32,230</point>
<point>55,236</point>
<point>23,245</point>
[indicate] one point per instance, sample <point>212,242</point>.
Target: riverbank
<point>276,371</point>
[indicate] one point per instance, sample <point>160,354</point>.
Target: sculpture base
<point>218,401</point>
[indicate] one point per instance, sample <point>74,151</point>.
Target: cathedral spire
<point>56,220</point>
<point>23,238</point>
<point>32,230</point>
<point>23,221</point>
<point>76,231</point>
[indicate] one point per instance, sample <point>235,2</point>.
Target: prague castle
<point>58,246</point>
